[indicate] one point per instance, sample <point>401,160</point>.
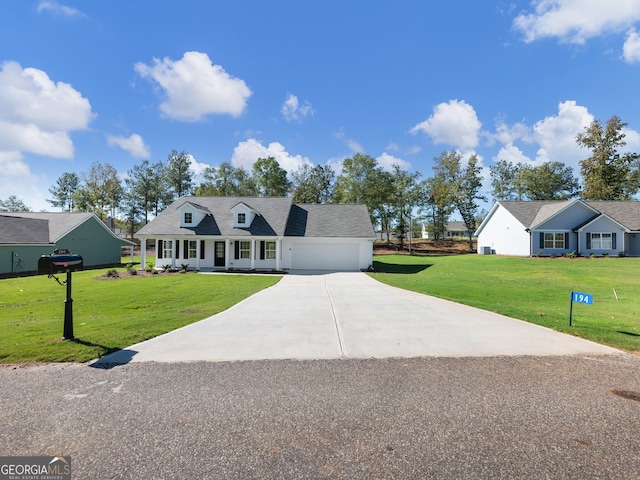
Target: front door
<point>219,256</point>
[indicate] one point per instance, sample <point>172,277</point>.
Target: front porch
<point>209,255</point>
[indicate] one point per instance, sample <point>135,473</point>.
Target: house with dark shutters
<point>258,233</point>
<point>560,227</point>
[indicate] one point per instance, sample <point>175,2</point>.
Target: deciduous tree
<point>549,181</point>
<point>313,184</point>
<point>103,189</point>
<point>607,174</point>
<point>270,178</point>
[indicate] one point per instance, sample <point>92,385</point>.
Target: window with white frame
<point>601,241</point>
<point>245,249</point>
<point>554,240</point>
<point>167,249</point>
<point>193,249</point>
<point>188,217</point>
<point>242,218</point>
<point>270,250</point>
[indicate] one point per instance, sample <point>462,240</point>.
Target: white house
<point>560,227</point>
<point>256,233</point>
<point>451,229</point>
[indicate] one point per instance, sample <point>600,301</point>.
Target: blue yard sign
<point>582,297</point>
<point>579,297</point>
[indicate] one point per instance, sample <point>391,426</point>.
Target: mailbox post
<point>58,262</point>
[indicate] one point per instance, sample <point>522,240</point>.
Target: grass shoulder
<point>532,289</point>
<point>109,314</point>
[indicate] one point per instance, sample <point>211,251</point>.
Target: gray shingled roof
<point>531,213</point>
<point>23,231</point>
<point>276,216</point>
<point>59,223</point>
<point>330,221</point>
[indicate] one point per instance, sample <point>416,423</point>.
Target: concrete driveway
<point>349,315</point>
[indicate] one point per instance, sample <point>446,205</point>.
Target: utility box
<point>59,261</point>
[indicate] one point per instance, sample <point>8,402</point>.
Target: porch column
<point>227,248</point>
<point>278,253</point>
<point>253,253</point>
<point>143,253</point>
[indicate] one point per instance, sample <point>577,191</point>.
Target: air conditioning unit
<point>485,250</point>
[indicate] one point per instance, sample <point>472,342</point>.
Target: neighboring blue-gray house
<point>560,227</point>
<point>25,236</point>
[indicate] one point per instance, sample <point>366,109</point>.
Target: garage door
<point>323,256</point>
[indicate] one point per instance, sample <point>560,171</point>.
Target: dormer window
<point>242,218</point>
<point>188,217</point>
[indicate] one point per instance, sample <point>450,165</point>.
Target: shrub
<point>572,254</point>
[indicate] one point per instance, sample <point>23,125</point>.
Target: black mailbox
<point>59,261</point>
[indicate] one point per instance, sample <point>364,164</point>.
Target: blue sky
<point>306,82</point>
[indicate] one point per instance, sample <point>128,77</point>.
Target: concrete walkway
<point>334,315</point>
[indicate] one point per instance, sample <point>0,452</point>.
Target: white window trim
<point>167,247</point>
<point>246,251</point>
<point>270,253</point>
<point>193,249</point>
<point>554,240</point>
<point>600,241</point>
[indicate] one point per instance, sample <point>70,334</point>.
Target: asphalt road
<point>462,418</point>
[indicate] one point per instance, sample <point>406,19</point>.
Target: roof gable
<point>572,209</point>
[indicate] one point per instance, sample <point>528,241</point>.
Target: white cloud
<point>197,168</point>
<point>575,21</point>
<point>246,153</point>
<point>387,161</point>
<point>631,48</point>
<point>556,135</point>
<point>37,114</point>
<point>195,88</point>
<point>510,133</point>
<point>454,123</point>
<point>292,110</point>
<point>59,9</point>
<point>133,144</point>
<point>513,154</point>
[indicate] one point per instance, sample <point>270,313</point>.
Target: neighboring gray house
<point>561,227</point>
<point>452,229</point>
<point>247,233</point>
<point>25,236</point>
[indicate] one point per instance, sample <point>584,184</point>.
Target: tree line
<point>397,200</point>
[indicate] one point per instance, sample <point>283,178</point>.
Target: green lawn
<point>109,314</point>
<point>533,289</point>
